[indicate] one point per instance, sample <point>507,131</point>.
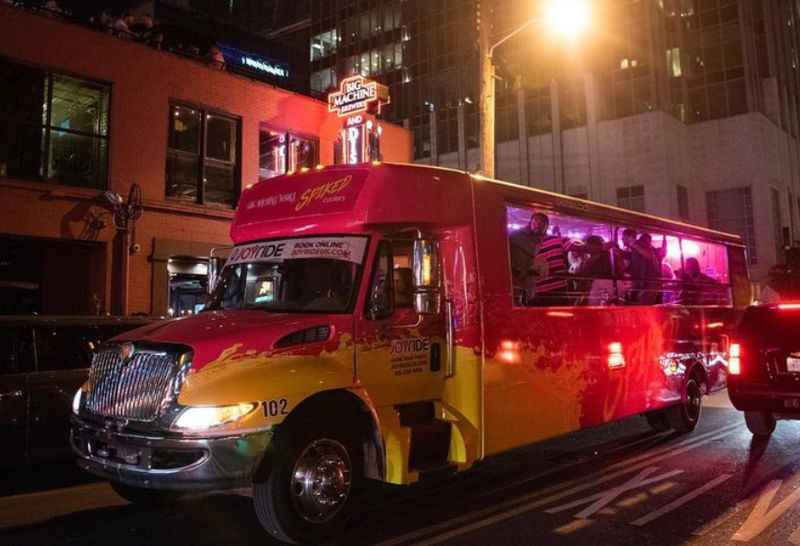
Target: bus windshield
<point>303,275</point>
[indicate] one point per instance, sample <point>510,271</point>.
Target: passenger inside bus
<point>562,260</point>
<point>540,262</point>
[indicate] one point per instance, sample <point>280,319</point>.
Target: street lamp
<point>567,19</point>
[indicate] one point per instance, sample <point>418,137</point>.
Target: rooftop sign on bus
<point>355,95</point>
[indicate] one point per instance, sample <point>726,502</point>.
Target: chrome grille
<point>129,390</point>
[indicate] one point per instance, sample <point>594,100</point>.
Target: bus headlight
<point>76,401</point>
<point>210,417</point>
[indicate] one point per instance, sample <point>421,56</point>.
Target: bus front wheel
<point>308,495</point>
<point>685,416</point>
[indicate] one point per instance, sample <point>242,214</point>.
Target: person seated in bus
<point>698,288</point>
<point>598,271</point>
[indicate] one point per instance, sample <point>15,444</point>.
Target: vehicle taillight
<point>615,357</point>
<point>789,306</point>
<point>509,352</point>
<point>735,360</point>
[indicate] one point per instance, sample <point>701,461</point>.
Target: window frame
<point>202,155</point>
<point>382,244</point>
<point>45,123</point>
<point>289,137</point>
<point>615,229</point>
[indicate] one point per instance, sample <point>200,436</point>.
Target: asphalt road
<point>619,484</point>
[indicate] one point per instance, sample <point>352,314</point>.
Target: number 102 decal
<point>274,408</point>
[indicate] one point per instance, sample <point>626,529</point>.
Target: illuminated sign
<point>265,66</point>
<point>356,94</point>
<point>253,63</point>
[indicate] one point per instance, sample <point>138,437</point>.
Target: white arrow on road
<point>762,515</point>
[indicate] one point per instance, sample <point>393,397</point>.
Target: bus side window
<point>380,304</point>
<point>558,259</point>
<point>705,277</point>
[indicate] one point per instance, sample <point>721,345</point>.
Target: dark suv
<point>43,361</point>
<point>764,366</point>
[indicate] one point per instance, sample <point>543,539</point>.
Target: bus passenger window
<point>705,278</point>
<point>646,265</point>
<point>558,260</point>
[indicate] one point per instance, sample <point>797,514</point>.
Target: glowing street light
<point>565,19</point>
<point>568,19</point>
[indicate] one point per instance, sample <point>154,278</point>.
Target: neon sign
<point>356,94</point>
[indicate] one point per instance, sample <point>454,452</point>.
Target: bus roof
<point>346,198</point>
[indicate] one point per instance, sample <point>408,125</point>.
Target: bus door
<point>400,361</point>
<point>401,353</point>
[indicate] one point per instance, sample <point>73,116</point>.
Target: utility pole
<point>487,89</point>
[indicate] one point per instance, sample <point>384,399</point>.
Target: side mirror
<point>215,265</point>
<point>426,277</point>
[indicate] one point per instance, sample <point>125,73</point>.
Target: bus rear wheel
<point>684,417</point>
<point>308,495</point>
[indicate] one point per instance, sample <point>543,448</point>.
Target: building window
<point>732,211</point>
<point>777,223</point>
<point>323,80</point>
<point>280,152</point>
<point>631,197</point>
<point>674,62</point>
<point>324,44</point>
<point>53,127</point>
<point>683,203</point>
<point>202,156</point>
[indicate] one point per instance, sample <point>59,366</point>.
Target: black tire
<point>146,497</point>
<point>684,417</point>
<point>281,504</point>
<point>760,423</point>
<point>658,420</point>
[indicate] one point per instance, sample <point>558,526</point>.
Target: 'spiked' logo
<point>319,193</point>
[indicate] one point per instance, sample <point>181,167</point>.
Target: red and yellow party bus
<point>382,322</point>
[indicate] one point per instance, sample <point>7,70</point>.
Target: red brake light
<point>789,306</point>
<point>735,360</point>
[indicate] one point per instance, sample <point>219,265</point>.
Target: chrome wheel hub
<point>321,480</point>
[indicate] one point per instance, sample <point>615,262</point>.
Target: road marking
<point>677,503</point>
<point>504,510</point>
<point>604,498</point>
<point>614,475</point>
<point>762,516</point>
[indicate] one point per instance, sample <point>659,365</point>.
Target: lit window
<point>631,197</point>
<point>674,62</point>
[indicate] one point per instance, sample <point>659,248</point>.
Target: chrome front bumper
<point>168,462</point>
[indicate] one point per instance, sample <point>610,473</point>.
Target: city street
<point>620,484</point>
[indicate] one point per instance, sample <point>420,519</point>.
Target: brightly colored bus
<point>382,321</point>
